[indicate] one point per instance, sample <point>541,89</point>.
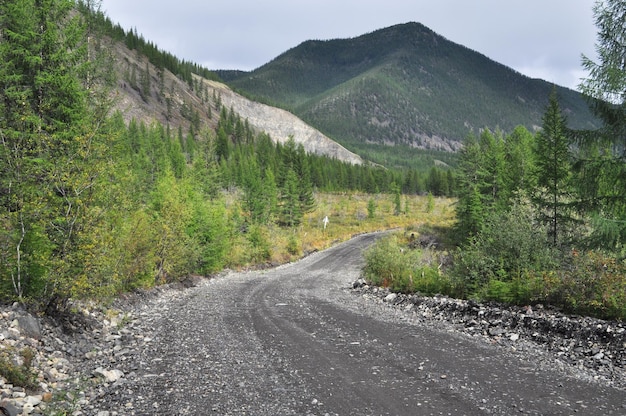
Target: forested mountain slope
<point>402,85</point>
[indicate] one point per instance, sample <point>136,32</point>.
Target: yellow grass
<point>348,215</point>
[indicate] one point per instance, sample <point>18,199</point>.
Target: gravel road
<point>298,340</point>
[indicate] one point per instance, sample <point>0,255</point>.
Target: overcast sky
<point>539,38</point>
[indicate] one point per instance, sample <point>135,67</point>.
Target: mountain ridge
<point>404,84</point>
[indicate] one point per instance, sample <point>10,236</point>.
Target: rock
<point>34,400</point>
<point>390,297</point>
<point>496,331</point>
<point>110,376</point>
<point>359,283</point>
<point>29,326</point>
<point>8,409</point>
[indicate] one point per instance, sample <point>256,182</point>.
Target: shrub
<point>391,264</point>
<point>386,263</point>
<point>509,245</point>
<point>371,209</point>
<point>261,248</point>
<point>594,284</point>
<point>293,245</point>
<point>18,374</point>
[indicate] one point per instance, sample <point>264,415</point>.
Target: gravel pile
<point>594,346</point>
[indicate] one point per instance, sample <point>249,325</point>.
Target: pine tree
<point>49,148</point>
<point>601,163</point>
<point>290,213</point>
<point>520,172</point>
<point>553,165</point>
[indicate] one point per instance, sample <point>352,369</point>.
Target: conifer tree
<point>49,148</point>
<point>601,164</point>
<point>553,165</point>
<point>290,213</point>
<point>520,172</point>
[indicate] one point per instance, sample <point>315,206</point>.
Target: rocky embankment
<point>81,358</point>
<point>77,357</point>
<point>593,348</point>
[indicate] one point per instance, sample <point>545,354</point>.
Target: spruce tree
<point>290,212</point>
<point>553,167</point>
<point>48,146</point>
<point>601,163</point>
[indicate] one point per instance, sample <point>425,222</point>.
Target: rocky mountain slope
<point>282,125</point>
<point>149,94</point>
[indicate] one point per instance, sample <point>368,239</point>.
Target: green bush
<point>391,264</point>
<point>261,249</point>
<point>509,245</point>
<point>387,264</point>
<point>594,284</point>
<point>293,245</point>
<point>18,374</point>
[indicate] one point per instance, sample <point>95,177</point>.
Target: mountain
<point>148,91</point>
<point>403,85</point>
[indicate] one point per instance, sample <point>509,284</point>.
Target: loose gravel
<point>83,361</point>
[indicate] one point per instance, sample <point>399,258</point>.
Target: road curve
<point>296,340</point>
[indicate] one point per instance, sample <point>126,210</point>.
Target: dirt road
<point>297,340</point>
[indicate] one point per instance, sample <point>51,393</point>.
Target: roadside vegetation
<point>541,218</point>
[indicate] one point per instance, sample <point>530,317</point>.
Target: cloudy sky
<point>539,38</point>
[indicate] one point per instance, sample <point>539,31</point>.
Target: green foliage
<point>507,245</point>
<point>400,84</point>
<point>397,201</point>
<point>371,208</point>
<point>607,78</point>
<point>18,373</point>
<point>50,152</point>
<point>594,284</point>
<point>554,171</point>
<point>260,248</point>
<point>390,263</point>
<point>430,203</point>
<point>294,245</point>
<point>290,210</point>
<point>134,41</point>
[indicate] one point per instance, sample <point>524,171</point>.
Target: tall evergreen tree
<point>47,144</point>
<point>520,172</point>
<point>553,164</point>
<point>290,212</point>
<point>601,164</point>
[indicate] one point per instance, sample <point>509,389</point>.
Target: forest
<point>92,206</point>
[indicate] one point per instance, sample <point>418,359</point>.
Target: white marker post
<point>325,221</point>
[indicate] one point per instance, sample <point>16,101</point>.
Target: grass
<point>348,216</point>
<point>16,367</point>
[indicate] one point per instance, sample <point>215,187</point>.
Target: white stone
<point>34,400</point>
<point>111,376</point>
<point>390,297</point>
